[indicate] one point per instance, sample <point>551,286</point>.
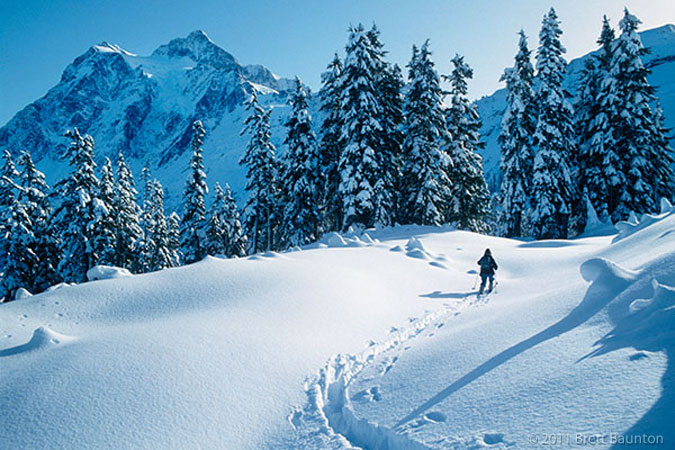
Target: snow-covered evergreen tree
<point>427,188</point>
<point>173,239</point>
<point>34,198</point>
<point>224,233</point>
<point>20,260</point>
<point>633,131</point>
<point>260,162</point>
<point>216,227</point>
<point>515,139</point>
<point>554,137</point>
<point>237,241</point>
<point>330,145</point>
<point>194,209</point>
<point>74,219</point>
<point>160,255</point>
<point>471,197</point>
<point>18,240</point>
<point>8,180</point>
<point>104,231</point>
<point>128,231</point>
<point>143,247</point>
<point>663,179</point>
<point>597,163</point>
<point>301,177</point>
<point>361,135</point>
<point>389,82</point>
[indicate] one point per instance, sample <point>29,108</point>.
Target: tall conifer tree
<point>330,144</point>
<point>301,177</point>
<point>262,185</point>
<point>471,197</point>
<point>427,189</point>
<point>515,139</point>
<point>194,209</point>
<point>554,137</point>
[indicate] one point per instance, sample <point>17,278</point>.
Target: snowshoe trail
<point>327,420</point>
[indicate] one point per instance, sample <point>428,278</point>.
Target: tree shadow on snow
<point>643,316</point>
<point>608,281</point>
<point>457,295</point>
<point>548,244</point>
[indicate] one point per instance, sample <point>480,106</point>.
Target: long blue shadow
<point>606,286</point>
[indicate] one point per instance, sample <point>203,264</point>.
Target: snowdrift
<point>370,341</point>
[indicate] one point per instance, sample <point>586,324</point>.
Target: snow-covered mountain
<point>144,106</point>
<point>661,61</point>
<point>375,341</point>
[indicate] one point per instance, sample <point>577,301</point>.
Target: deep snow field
<point>375,341</point>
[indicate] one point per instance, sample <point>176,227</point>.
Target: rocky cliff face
<point>144,105</point>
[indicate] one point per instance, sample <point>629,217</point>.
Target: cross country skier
<point>488,265</point>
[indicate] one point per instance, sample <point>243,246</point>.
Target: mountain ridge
<point>144,105</point>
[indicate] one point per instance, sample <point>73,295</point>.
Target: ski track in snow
<point>327,419</point>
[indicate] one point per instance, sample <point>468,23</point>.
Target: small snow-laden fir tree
<point>75,218</point>
<point>427,188</point>
<point>33,196</point>
<point>471,197</point>
<point>633,131</point>
<point>143,246</point>
<point>389,82</point>
<point>663,178</point>
<point>301,176</point>
<point>361,134</point>
<point>260,162</point>
<point>237,241</point>
<point>20,260</point>
<point>8,179</point>
<point>159,252</point>
<point>597,162</point>
<point>515,140</point>
<point>194,209</point>
<point>18,241</point>
<point>128,232</point>
<point>329,147</point>
<point>173,239</point>
<point>104,228</point>
<point>554,137</point>
<point>216,227</point>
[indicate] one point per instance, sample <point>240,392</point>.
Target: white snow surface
<point>103,272</point>
<point>349,344</point>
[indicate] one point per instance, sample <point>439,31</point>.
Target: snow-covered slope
<point>661,61</point>
<point>360,342</point>
<point>144,106</point>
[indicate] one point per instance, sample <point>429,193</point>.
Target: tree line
<point>608,151</point>
<point>388,151</point>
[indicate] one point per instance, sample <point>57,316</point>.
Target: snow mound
<point>43,337</point>
<point>22,293</point>
<point>59,286</point>
<point>414,244</point>
<point>595,226</point>
<point>633,224</point>
<point>350,239</point>
<point>102,272</point>
<point>334,240</point>
<point>601,270</point>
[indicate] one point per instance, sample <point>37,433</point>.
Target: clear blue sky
<point>38,38</point>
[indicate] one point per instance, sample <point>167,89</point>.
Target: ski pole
<point>475,283</point>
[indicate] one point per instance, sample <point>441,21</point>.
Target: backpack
<point>487,263</point>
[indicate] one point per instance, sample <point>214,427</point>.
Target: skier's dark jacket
<point>488,265</point>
